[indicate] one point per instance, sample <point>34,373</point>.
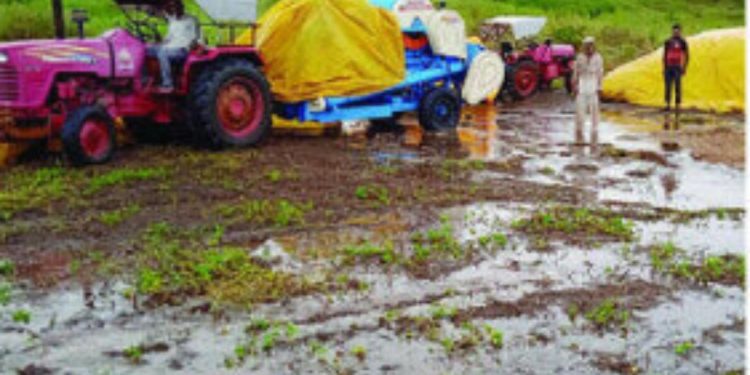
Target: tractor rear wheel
<point>440,110</point>
<point>88,136</point>
<point>230,105</point>
<point>523,80</point>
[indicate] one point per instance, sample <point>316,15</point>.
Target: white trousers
<point>587,104</point>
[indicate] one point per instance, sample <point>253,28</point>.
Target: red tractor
<point>76,90</point>
<point>537,66</point>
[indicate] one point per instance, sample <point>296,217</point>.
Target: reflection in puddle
<point>479,136</point>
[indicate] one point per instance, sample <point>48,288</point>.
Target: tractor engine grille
<point>8,84</point>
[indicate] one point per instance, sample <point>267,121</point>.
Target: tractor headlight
<point>3,58</point>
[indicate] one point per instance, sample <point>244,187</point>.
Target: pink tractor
<point>77,90</point>
<point>535,67</point>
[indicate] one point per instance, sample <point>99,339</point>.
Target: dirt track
<point>476,253</point>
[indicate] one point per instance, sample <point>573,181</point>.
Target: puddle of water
<point>700,237</point>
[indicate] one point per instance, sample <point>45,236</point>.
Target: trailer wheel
<point>230,105</point>
<point>523,79</point>
<point>88,136</point>
<point>440,110</point>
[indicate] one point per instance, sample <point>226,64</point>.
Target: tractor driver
<point>183,34</point>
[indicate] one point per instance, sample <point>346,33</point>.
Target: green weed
<point>23,190</point>
<point>280,213</point>
<point>22,316</point>
<point>134,354</point>
<point>547,171</point>
<point>359,352</point>
<point>439,240</point>
<point>5,293</point>
<point>577,221</point>
<point>440,312</point>
<point>683,348</point>
<point>7,268</point>
<point>175,264</point>
<point>385,253</point>
<point>379,194</point>
<point>608,314</point>
<point>274,175</point>
<point>116,217</point>
<point>727,269</point>
<point>662,256</point>
<point>496,336</point>
<point>124,176</point>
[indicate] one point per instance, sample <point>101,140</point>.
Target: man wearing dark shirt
<point>676,59</point>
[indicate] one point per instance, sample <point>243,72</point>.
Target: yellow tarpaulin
<point>715,80</point>
<point>321,48</point>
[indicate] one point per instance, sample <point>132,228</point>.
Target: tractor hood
<point>28,69</point>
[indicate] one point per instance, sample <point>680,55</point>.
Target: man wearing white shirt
<point>587,80</point>
<point>183,33</point>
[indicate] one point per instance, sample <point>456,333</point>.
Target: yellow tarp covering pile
<point>321,48</point>
<point>715,80</point>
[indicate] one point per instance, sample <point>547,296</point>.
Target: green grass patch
<point>24,189</point>
<point>134,354</point>
<point>6,289</point>
<point>124,176</point>
<point>384,253</point>
<point>173,265</point>
<point>727,269</point>
<point>372,193</point>
<point>280,213</point>
<point>436,241</point>
<point>578,223</point>
<point>684,348</point>
<point>263,337</point>
<point>117,217</point>
<point>22,316</point>
<point>608,314</point>
<point>7,268</point>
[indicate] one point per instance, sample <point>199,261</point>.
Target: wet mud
<point>505,248</point>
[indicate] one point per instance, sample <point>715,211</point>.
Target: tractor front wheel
<point>440,110</point>
<point>88,136</point>
<point>523,80</point>
<point>230,105</point>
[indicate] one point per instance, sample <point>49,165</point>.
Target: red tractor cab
<point>76,90</point>
<point>535,66</point>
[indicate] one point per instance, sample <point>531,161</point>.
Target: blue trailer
<point>431,88</point>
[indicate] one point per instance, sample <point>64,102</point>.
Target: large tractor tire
<point>440,110</point>
<point>523,79</point>
<point>230,105</point>
<point>89,136</point>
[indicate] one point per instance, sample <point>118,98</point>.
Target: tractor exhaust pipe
<point>59,19</point>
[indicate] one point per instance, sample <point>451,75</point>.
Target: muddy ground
<point>504,248</point>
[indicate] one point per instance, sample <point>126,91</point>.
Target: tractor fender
<point>199,59</point>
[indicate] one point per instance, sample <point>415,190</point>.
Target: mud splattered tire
<point>523,80</point>
<point>440,110</point>
<point>89,136</point>
<point>230,105</point>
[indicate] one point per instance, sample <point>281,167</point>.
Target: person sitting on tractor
<point>183,34</point>
<point>676,58</point>
<point>543,53</point>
